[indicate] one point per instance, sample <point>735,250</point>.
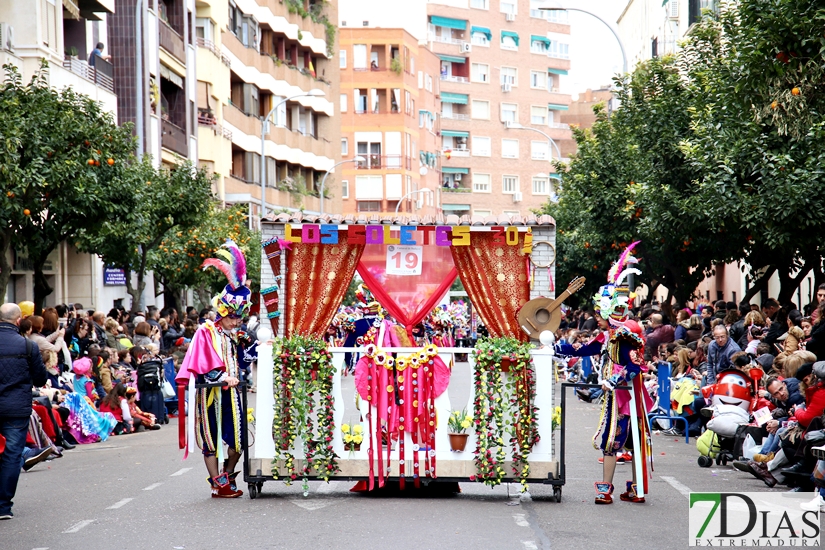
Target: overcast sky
<point>595,55</point>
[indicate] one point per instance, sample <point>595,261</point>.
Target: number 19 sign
<point>404,260</point>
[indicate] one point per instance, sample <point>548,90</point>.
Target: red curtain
<point>495,277</point>
<point>317,279</point>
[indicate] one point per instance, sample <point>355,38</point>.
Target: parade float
<point>392,419</point>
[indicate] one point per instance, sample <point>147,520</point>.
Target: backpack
<point>149,376</point>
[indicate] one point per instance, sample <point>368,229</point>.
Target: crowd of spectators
<point>785,346</point>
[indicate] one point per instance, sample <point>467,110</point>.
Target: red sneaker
<point>604,492</point>
<point>630,495</point>
<point>621,458</point>
<point>222,489</point>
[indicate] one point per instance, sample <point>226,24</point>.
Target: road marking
<point>673,482</point>
<point>180,472</point>
<point>120,503</point>
<point>78,526</point>
<point>311,504</point>
<point>529,545</point>
<point>521,520</point>
<point>153,486</point>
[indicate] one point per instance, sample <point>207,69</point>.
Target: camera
<point>756,332</point>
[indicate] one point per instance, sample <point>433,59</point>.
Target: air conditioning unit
<point>457,177</point>
<point>673,9</point>
<point>466,47</point>
<point>506,87</point>
<point>510,17</point>
<point>6,37</point>
<point>517,196</point>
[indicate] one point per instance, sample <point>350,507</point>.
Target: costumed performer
<point>623,421</point>
<point>215,413</point>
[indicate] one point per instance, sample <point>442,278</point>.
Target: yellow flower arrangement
<point>459,421</point>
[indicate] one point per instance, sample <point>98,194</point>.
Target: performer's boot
<point>221,487</point>
<point>604,492</point>
<point>630,495</point>
<point>233,484</point>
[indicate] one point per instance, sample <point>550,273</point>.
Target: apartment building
<point>63,34</point>
<point>581,113</point>
<point>652,28</point>
<point>255,56</point>
<point>154,75</point>
<point>501,64</point>
<point>389,123</point>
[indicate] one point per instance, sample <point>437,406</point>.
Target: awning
<point>451,170</point>
<point>453,59</point>
<point>482,30</point>
<point>449,97</point>
<point>455,133</point>
<point>425,112</point>
<point>535,38</point>
<point>171,76</point>
<point>72,7</point>
<point>557,71</point>
<point>511,34</point>
<point>557,107</point>
<point>449,22</point>
<point>452,207</point>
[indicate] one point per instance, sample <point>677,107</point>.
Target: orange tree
<point>163,201</point>
<point>177,261</point>
<point>63,168</point>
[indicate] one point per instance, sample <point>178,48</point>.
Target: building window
<point>359,57</point>
<point>342,59</point>
<point>511,213</point>
<point>344,147</point>
<point>480,39</point>
<point>509,184</point>
<point>343,103</point>
<point>538,46</point>
<point>480,4</point>
<point>551,117</point>
<point>369,206</point>
<point>483,213</point>
<point>480,72</point>
<point>509,112</point>
<point>345,189</point>
<point>481,183</point>
<point>509,148</point>
<point>538,150</point>
<point>509,75</point>
<point>481,109</point>
<point>559,50</point>
<point>481,146</point>
<point>538,79</point>
<point>428,82</point>
<point>508,42</point>
<point>541,186</point>
<point>538,115</point>
<point>509,7</point>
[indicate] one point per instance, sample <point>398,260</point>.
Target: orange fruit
<point>86,143</point>
<point>90,162</point>
<point>148,183</point>
<point>26,212</point>
<point>10,195</point>
<point>97,163</point>
<point>587,245</point>
<point>774,105</point>
<point>795,91</point>
<point>111,161</point>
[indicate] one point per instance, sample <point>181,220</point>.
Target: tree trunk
<point>133,292</point>
<point>759,285</point>
<point>5,266</point>
<point>41,288</point>
<point>789,285</point>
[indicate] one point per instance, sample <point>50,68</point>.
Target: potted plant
<point>502,351</point>
<point>395,66</point>
<point>353,437</point>
<point>458,423</point>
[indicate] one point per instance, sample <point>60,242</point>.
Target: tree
<point>63,163</point>
<point>178,258</point>
<point>163,201</point>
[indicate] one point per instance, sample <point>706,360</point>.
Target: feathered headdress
<point>234,300</point>
<point>612,300</point>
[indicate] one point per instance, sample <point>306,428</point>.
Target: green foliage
<point>714,156</point>
<point>64,167</point>
<point>395,66</point>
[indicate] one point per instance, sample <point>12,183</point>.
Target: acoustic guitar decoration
<point>540,314</point>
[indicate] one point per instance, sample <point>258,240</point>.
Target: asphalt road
<point>136,492</point>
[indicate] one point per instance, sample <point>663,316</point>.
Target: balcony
<point>455,116</point>
<point>209,45</point>
<point>101,74</point>
<point>559,126</point>
<point>174,139</point>
<point>459,79</point>
<point>377,162</point>
<point>457,152</point>
<point>172,42</point>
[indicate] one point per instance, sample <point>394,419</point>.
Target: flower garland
<point>302,372</point>
<point>495,396</point>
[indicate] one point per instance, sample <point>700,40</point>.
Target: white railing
<point>459,79</point>
<point>559,125</point>
<point>82,69</point>
<point>455,116</point>
<point>444,39</point>
<point>457,152</point>
<point>509,47</point>
<point>552,16</point>
<point>556,55</point>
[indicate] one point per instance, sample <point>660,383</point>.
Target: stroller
<point>713,447</point>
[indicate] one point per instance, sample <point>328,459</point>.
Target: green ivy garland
<point>504,405</point>
<point>302,372</point>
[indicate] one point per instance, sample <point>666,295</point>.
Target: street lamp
<point>517,126</point>
<point>411,193</point>
<point>264,131</point>
<point>324,181</point>
<point>619,40</point>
